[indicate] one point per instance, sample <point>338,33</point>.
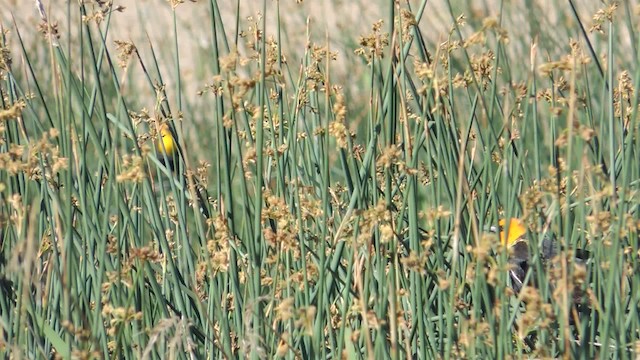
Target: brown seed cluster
<point>373,44</point>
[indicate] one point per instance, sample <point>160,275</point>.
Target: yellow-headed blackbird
<point>513,235</point>
<point>168,150</point>
<point>166,146</point>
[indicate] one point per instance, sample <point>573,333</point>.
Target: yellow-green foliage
<point>263,186</point>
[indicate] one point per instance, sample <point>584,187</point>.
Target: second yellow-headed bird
<point>514,236</point>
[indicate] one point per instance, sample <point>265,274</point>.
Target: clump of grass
<point>303,218</point>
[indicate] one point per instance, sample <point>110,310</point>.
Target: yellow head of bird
<point>516,231</point>
<point>166,144</point>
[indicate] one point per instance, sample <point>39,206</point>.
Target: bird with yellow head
<point>167,149</point>
<point>513,235</point>
<point>166,146</point>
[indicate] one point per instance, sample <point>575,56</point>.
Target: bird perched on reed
<point>167,148</point>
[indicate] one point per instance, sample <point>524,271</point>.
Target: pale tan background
<point>343,21</point>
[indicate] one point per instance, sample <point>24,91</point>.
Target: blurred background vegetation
<point>339,164</point>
